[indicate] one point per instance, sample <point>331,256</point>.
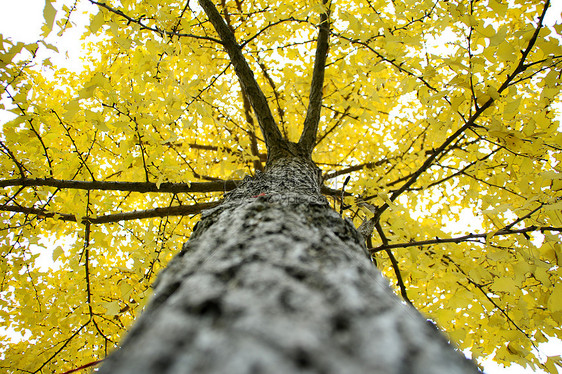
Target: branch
<point>394,264</point>
<point>467,238</point>
<point>268,26</point>
<point>76,150</point>
<point>331,192</point>
<point>393,62</point>
<point>142,187</point>
<point>41,213</point>
<point>486,294</point>
<point>280,111</point>
<point>308,136</point>
<point>247,109</point>
<point>458,172</point>
<point>30,121</point>
<point>94,363</point>
<point>155,29</point>
<point>20,166</point>
<point>39,369</point>
<point>339,121</point>
<point>179,210</point>
<point>351,169</point>
<point>471,121</point>
<point>270,131</point>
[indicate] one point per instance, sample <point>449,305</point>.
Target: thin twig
<point>395,266</point>
<point>467,238</point>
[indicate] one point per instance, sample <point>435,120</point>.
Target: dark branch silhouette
<point>142,187</point>
<point>272,135</point>
<point>308,136</point>
<point>179,210</point>
<point>395,266</point>
<point>467,238</point>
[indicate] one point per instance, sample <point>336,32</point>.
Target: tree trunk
<point>275,281</point>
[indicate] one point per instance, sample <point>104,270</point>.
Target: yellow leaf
<point>506,51</point>
<point>49,13</point>
<point>555,299</point>
<point>504,284</point>
<point>493,93</point>
<point>97,21</point>
<point>551,364</point>
<point>126,290</point>
<point>111,308</point>
<point>57,252</point>
<point>512,106</point>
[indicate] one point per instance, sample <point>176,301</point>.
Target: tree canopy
<point>438,136</point>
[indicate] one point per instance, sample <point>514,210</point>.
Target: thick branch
<point>270,131</point>
<point>179,210</point>
<point>142,187</point>
<point>308,136</point>
<point>351,169</point>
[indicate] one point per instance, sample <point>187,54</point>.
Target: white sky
<point>21,20</point>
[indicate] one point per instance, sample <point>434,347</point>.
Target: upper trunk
<point>275,281</point>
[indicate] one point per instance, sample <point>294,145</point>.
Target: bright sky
<point>21,20</point>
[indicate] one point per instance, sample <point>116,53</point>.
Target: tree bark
<point>275,281</point>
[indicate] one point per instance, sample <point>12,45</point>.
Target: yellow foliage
<point>157,101</point>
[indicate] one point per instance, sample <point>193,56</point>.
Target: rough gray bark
<point>274,281</point>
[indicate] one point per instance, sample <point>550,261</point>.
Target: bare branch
<point>19,165</point>
<point>270,131</point>
<point>467,238</point>
<point>142,187</point>
<point>178,210</point>
<point>308,136</point>
<point>351,169</point>
<point>90,364</point>
<point>395,266</point>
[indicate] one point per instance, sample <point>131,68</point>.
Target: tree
<point>417,113</point>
